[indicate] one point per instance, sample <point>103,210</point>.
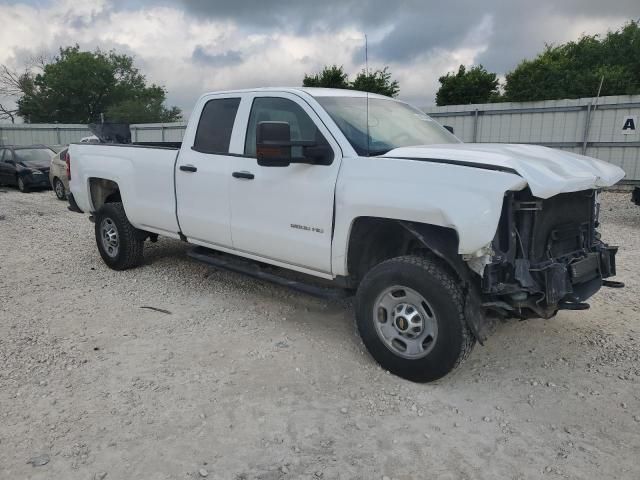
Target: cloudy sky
<point>191,46</point>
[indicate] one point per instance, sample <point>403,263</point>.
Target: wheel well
<point>374,240</point>
<point>103,191</point>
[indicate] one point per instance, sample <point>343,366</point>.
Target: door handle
<point>243,174</point>
<point>188,168</point>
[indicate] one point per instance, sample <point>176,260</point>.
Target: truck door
<point>203,173</point>
<point>284,213</point>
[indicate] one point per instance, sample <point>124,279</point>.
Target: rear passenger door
<point>203,172</point>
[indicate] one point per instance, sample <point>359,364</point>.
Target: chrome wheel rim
<point>20,184</point>
<point>109,237</point>
<point>405,322</point>
<point>59,189</point>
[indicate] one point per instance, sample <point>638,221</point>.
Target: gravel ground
<point>238,379</point>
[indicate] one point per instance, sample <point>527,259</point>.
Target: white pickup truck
<point>369,194</point>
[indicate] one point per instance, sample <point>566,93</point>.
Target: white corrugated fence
<point>42,133</point>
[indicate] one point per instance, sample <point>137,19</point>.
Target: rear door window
<point>216,125</point>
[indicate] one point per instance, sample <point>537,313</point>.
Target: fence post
<point>475,126</point>
<point>587,124</point>
<point>162,132</point>
<point>57,127</point>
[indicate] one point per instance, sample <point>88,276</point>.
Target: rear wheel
<point>120,244</point>
<point>58,188</point>
<point>410,315</point>
<point>22,186</point>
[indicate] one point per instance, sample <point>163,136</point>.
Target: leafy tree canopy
<point>330,77</point>
<point>378,81</point>
<point>475,85</point>
<point>575,69</point>
<point>77,86</point>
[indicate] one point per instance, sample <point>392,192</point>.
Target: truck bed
<point>144,175</point>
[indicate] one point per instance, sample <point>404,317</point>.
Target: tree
<point>333,76</point>
<point>330,77</point>
<point>14,83</point>
<point>378,81</point>
<point>576,69</point>
<point>475,85</point>
<point>143,111</point>
<point>8,113</point>
<point>77,86</point>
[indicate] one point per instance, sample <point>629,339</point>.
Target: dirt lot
<point>241,379</point>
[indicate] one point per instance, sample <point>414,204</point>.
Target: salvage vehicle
<point>25,167</point>
<point>361,193</point>
<point>58,174</point>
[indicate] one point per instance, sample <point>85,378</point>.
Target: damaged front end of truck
<point>547,255</point>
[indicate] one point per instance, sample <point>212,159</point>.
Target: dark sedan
<point>25,167</point>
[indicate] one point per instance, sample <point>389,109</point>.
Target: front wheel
<point>119,243</point>
<point>410,315</point>
<point>22,186</point>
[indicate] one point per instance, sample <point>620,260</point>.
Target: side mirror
<point>450,128</point>
<point>273,144</point>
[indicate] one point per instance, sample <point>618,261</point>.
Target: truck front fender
<point>444,244</point>
<point>463,199</point>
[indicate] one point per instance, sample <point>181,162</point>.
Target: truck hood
<point>547,171</point>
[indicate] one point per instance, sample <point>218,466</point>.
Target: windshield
<point>392,124</point>
<point>34,157</point>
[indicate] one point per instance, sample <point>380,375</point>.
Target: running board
<point>240,265</point>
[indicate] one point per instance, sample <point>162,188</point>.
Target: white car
<point>58,174</point>
<point>435,236</point>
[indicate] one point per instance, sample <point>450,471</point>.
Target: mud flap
<point>477,322</point>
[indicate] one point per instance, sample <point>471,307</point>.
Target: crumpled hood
<point>547,171</point>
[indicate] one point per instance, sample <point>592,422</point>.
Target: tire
<point>119,243</point>
<point>22,186</point>
<point>413,297</point>
<point>59,190</point>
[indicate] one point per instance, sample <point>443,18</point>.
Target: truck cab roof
<point>313,91</point>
